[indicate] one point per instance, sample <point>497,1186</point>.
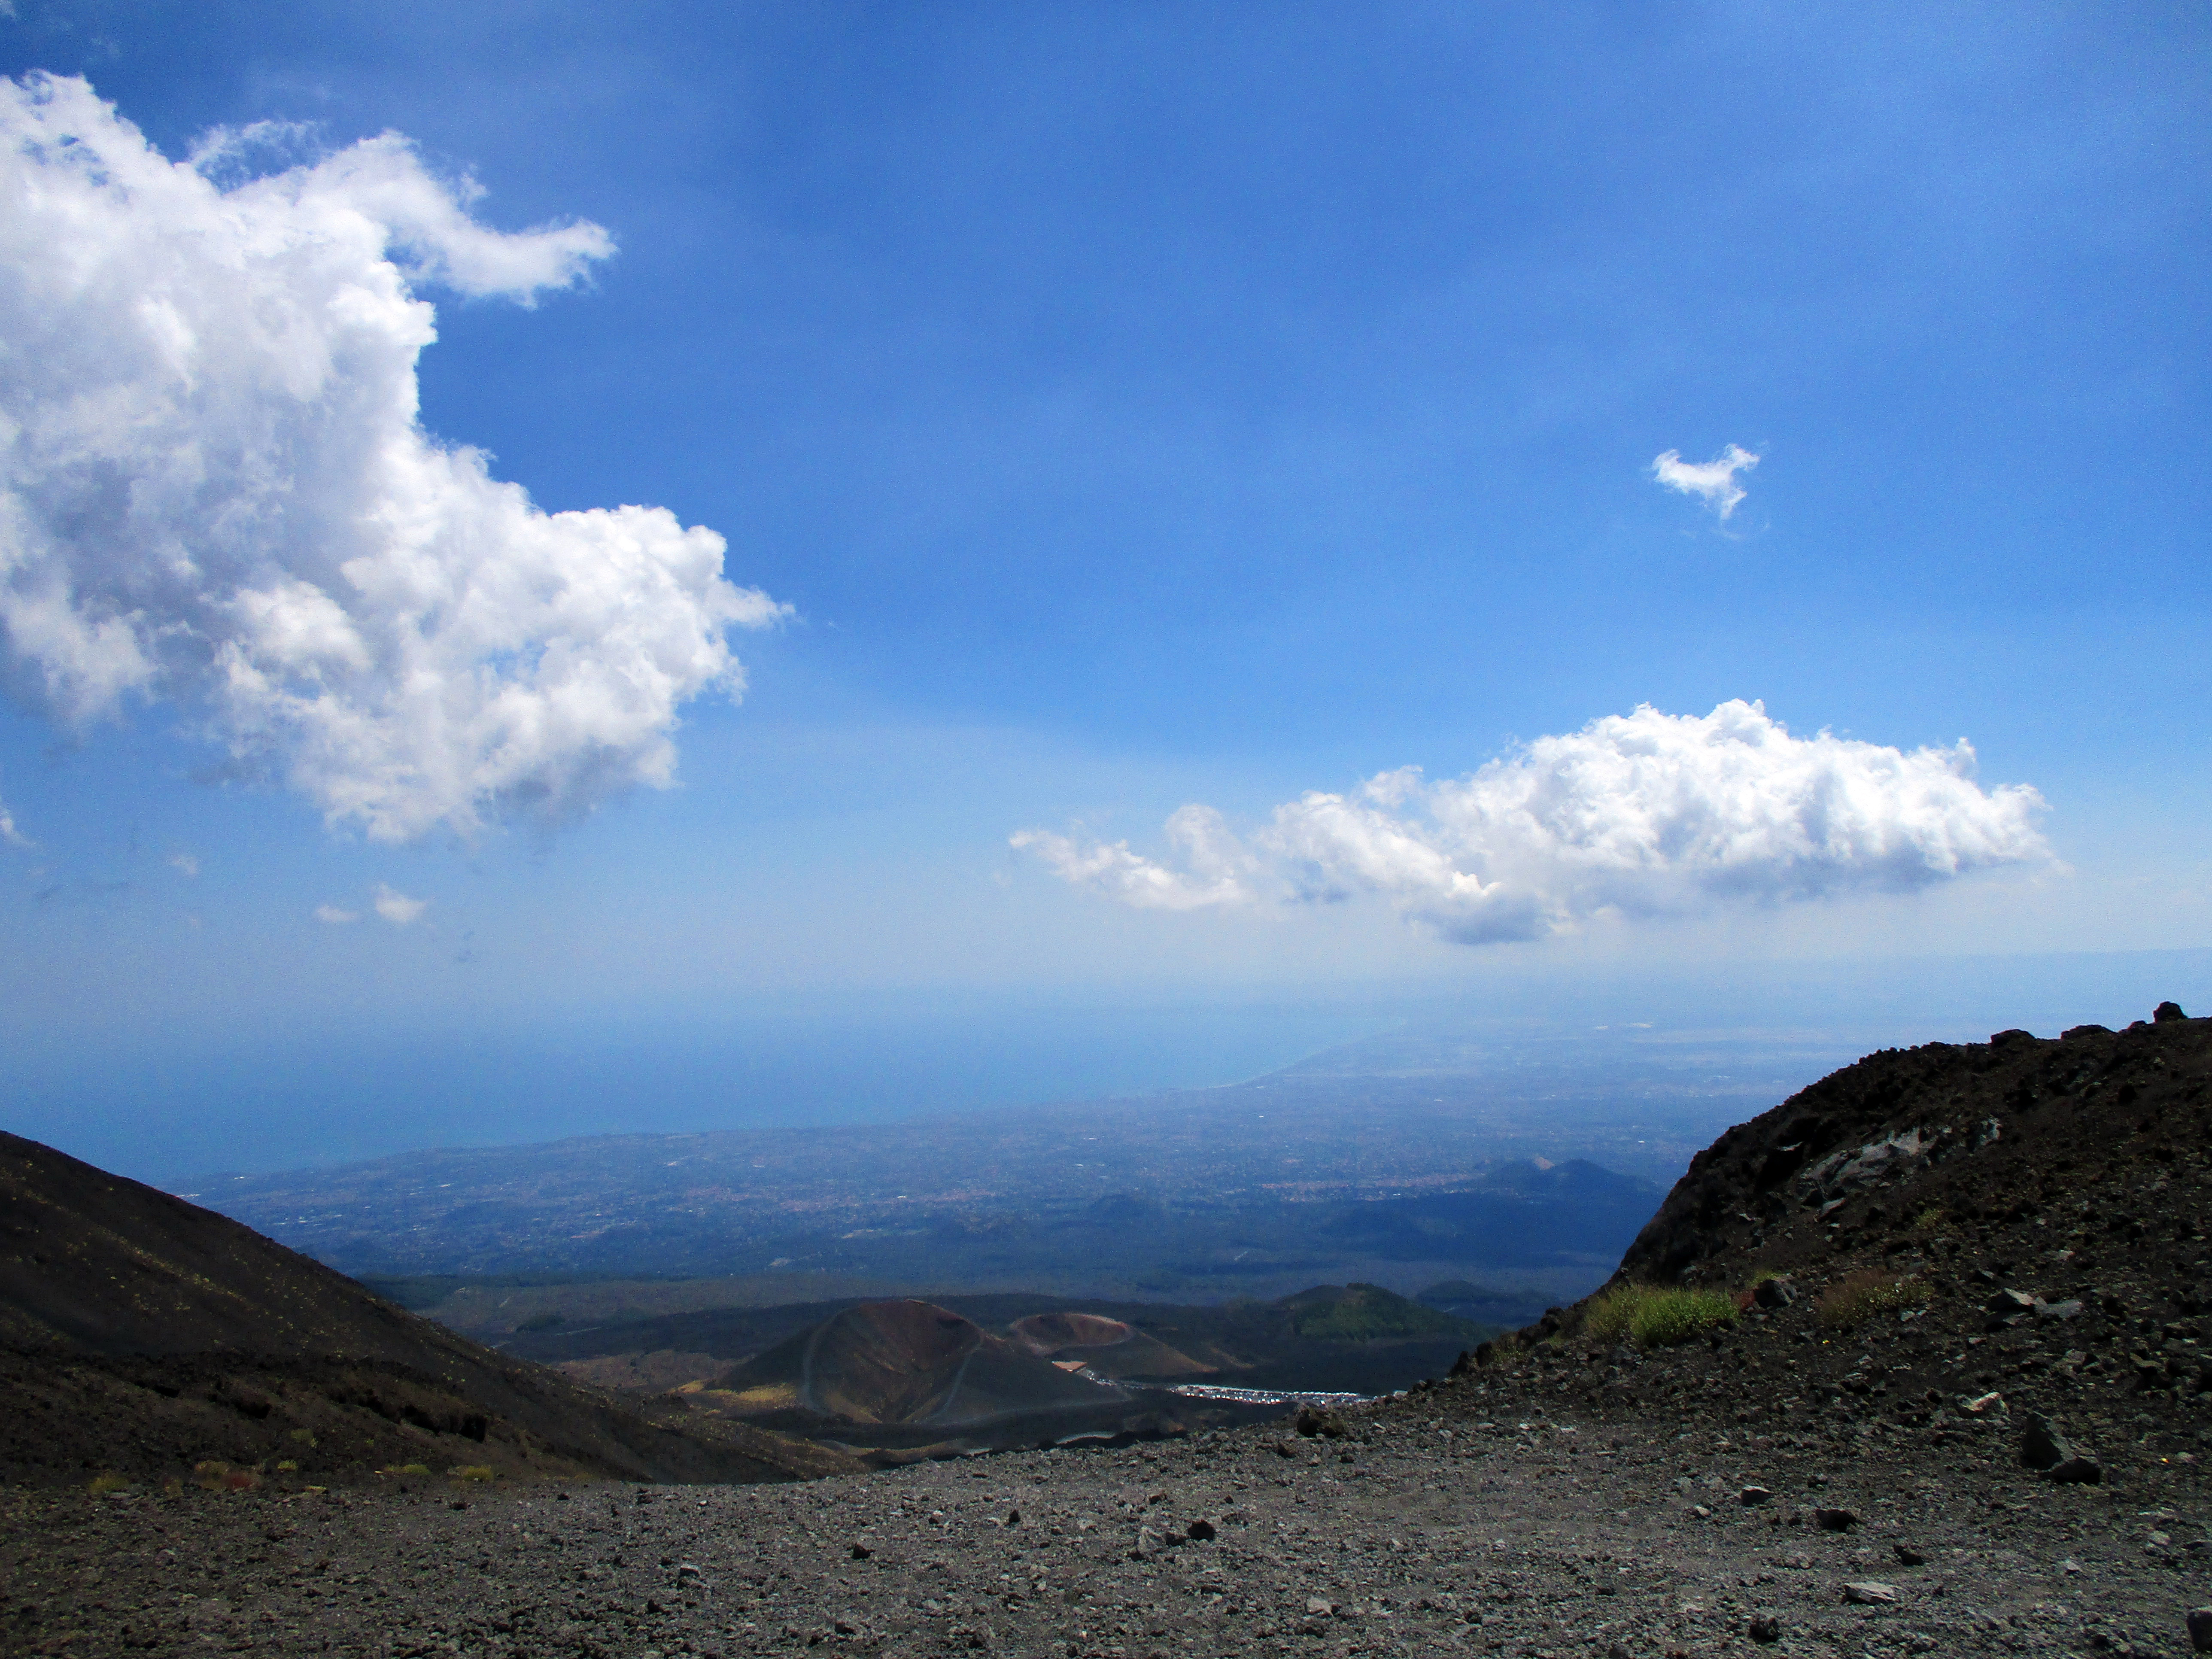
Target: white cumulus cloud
<point>1714,481</point>
<point>1636,815</point>
<point>215,488</point>
<point>396,906</point>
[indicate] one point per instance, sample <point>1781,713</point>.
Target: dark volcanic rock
<point>2042,1447</point>
<point>1977,1133</point>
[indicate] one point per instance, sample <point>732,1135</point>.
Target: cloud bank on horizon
<point>1636,815</point>
<point>1712,482</point>
<point>215,488</point>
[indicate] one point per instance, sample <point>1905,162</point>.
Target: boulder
<point>1312,1420</point>
<point>2041,1446</point>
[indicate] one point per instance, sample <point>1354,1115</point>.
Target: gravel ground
<point>1427,1530</point>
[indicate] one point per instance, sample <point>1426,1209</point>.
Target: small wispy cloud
<point>1714,481</point>
<point>331,915</point>
<point>9,832</point>
<point>186,862</point>
<point>396,907</point>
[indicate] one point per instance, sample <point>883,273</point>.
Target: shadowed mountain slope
<point>1998,1249</point>
<point>139,1331</point>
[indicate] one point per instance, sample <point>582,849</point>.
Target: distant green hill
<point>1367,1313</point>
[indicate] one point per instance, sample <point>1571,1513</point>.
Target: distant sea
<point>162,1115</point>
<point>169,1109</point>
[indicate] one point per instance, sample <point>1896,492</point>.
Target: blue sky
<point>1140,406</point>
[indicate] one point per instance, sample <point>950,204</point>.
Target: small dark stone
<point>1752,1496</point>
<point>2012,1302</point>
<point>1312,1420</point>
<point>2200,1629</point>
<point>1013,1517</point>
<point>861,1551</point>
<point>2077,1472</point>
<point>1764,1627</point>
<point>1773,1293</point>
<point>1907,1555</point>
<point>1201,1530</point>
<point>1835,1520</point>
<point>2042,1447</point>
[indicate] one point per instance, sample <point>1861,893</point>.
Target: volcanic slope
<point>1985,1252</point>
<point>140,1334</point>
<point>911,1362</point>
<point>899,1381</point>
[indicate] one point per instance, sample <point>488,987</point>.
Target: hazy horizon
<point>158,1107</point>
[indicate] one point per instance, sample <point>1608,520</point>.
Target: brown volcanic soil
<point>907,1362</point>
<point>140,1334</point>
<point>1566,1498</point>
<point>1107,1347</point>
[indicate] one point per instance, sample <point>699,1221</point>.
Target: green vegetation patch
<point>1365,1313</point>
<point>1852,1301</point>
<point>1657,1315</point>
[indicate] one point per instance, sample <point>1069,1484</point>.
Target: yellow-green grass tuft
<point>1851,1302</point>
<point>1658,1316</point>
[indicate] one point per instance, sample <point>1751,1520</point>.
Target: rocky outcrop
<point>1874,1146</point>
